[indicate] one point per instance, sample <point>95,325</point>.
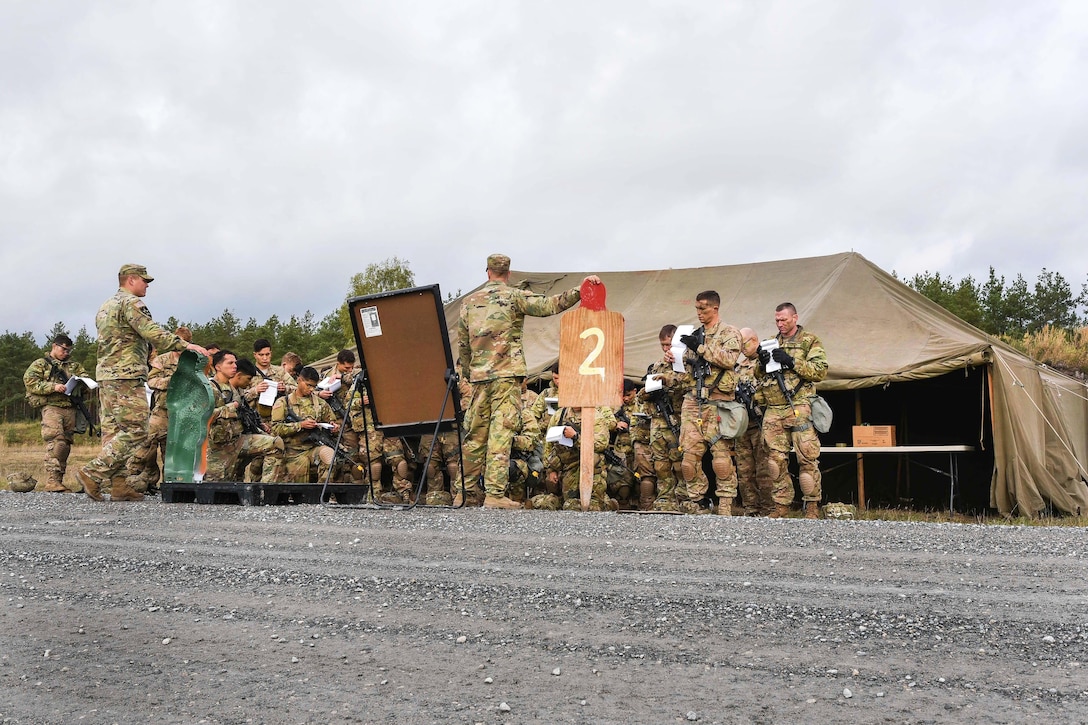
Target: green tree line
<point>1046,319</point>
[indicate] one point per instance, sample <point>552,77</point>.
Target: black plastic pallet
<point>261,494</point>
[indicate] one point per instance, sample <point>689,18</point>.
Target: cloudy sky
<point>254,155</point>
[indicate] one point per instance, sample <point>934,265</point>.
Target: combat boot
<point>55,487</point>
<point>90,486</point>
<point>812,510</point>
<point>500,502</point>
<point>724,509</point>
<point>781,511</point>
<point>122,491</point>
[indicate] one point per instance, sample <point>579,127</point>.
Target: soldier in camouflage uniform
<point>490,354</point>
<point>622,485</point>
<point>664,432</point>
<point>753,479</point>
<point>227,440</point>
<point>643,459</point>
<point>718,344</point>
<point>562,464</point>
<point>266,373</point>
<point>788,424</point>
<point>445,457</point>
<point>526,447</point>
<point>44,381</point>
<point>158,379</point>
<point>302,452</point>
<point>343,371</point>
<point>371,442</point>
<point>126,334</point>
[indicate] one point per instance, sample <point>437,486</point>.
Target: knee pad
<point>776,464</point>
<point>689,467</point>
<point>723,466</point>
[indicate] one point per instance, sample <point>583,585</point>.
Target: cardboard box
<point>869,436</point>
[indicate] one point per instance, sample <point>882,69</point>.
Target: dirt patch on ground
<point>152,612</point>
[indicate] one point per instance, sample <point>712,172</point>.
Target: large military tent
<point>896,358</point>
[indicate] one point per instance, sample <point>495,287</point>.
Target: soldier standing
<point>716,347</point>
<point>753,481</point>
<point>664,407</point>
<point>44,381</point>
<point>787,422</point>
<point>126,334</point>
<point>489,337</point>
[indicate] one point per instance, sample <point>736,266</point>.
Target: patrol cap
<point>137,269</point>
<point>498,263</point>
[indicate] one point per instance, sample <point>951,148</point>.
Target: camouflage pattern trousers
<point>566,465</point>
<point>58,432</point>
<point>664,457</point>
<point>700,428</point>
<point>226,461</point>
<point>753,476</point>
<point>784,428</point>
<point>297,464</point>
<point>124,403</point>
<point>492,420</point>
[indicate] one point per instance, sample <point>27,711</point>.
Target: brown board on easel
<point>404,351</point>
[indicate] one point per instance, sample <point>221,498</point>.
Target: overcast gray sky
<point>255,155</point>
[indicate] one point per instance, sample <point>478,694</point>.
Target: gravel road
<point>185,613</point>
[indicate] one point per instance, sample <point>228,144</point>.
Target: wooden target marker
<point>590,370</point>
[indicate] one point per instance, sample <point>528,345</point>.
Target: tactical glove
<point>783,358</point>
<point>764,356</point>
<point>691,341</point>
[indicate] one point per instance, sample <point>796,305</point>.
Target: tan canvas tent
<point>1032,422</point>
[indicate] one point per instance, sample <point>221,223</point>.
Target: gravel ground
<point>183,613</point>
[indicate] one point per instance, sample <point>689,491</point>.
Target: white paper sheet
<point>268,397</point>
<point>555,435</point>
<point>679,348</point>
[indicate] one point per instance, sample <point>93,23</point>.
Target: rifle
<point>614,459</point>
<point>663,404</point>
<point>781,380</point>
<point>320,436</point>
<point>251,419</point>
<point>76,398</point>
<point>746,393</point>
<point>700,368</point>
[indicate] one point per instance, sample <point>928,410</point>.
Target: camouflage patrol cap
<point>498,263</point>
<point>137,269</point>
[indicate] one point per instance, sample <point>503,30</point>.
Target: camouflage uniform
<point>489,337</point>
<point>700,420</point>
<point>620,479</point>
<point>444,457</point>
<point>338,401</point>
<point>301,453</point>
<point>370,444</point>
<point>665,452</point>
<point>229,447</point>
<point>58,413</point>
<point>525,458</point>
<point>565,461</point>
<point>126,335</point>
<point>785,426</point>
<point>399,457</point>
<point>753,476</point>
<point>643,460</point>
<point>286,386</point>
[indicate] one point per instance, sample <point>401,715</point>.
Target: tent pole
<point>861,463</point>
